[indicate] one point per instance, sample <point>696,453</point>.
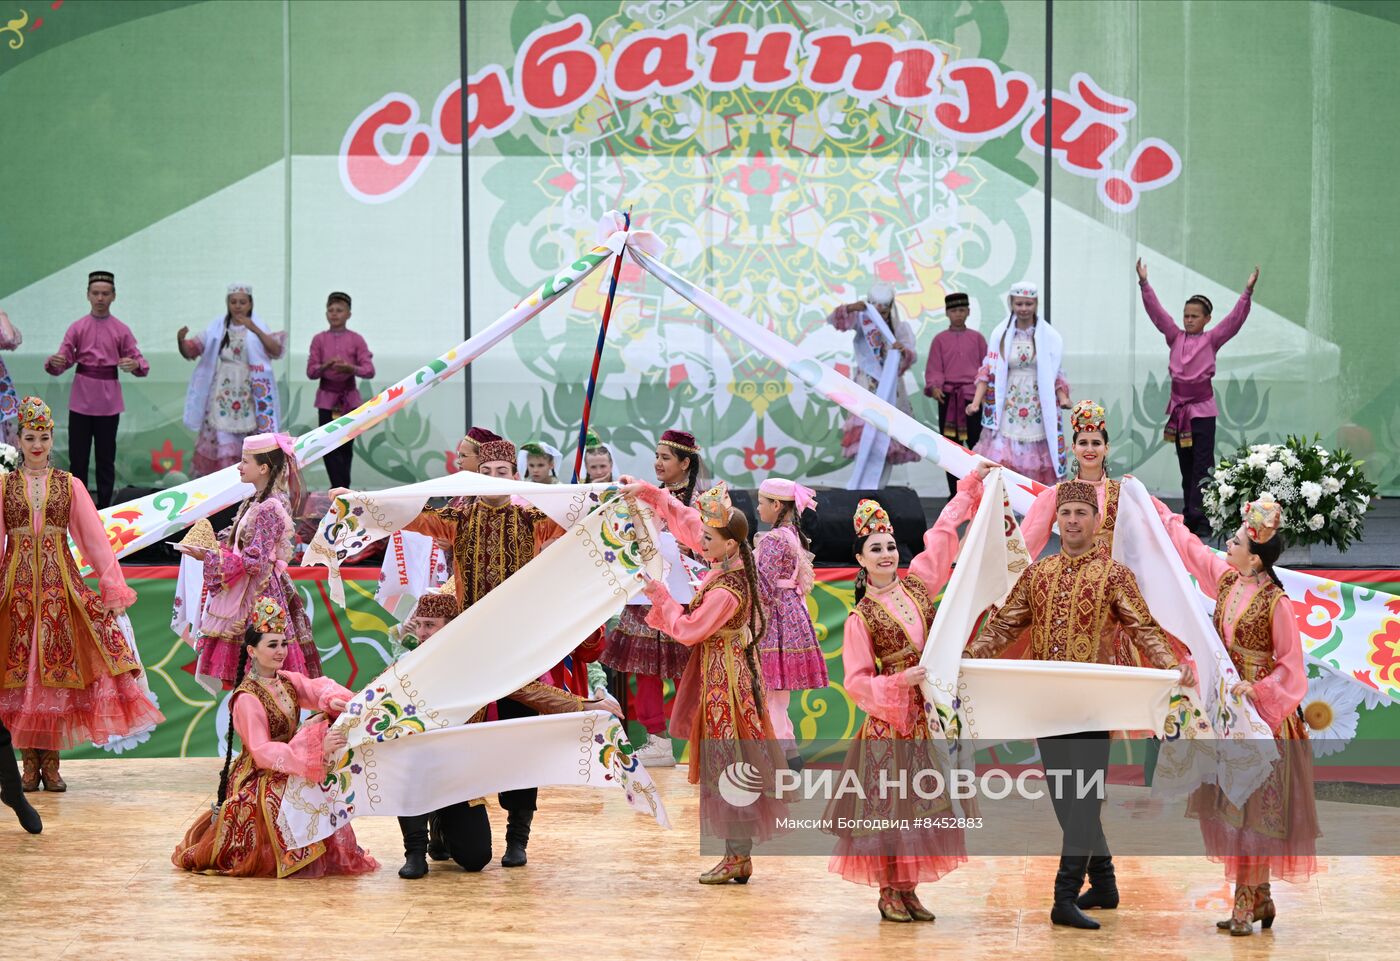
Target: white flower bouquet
<point>1324,494</point>
<point>10,459</point>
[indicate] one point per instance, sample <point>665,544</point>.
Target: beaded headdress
<point>268,616</point>
<point>681,440</point>
<point>437,604</point>
<point>714,506</point>
<point>35,415</point>
<point>1262,519</point>
<point>102,277</point>
<point>871,518</point>
<point>480,435</point>
<point>952,301</point>
<point>498,450</point>
<point>1088,415</point>
<point>241,289</point>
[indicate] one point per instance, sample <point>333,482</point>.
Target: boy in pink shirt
<point>101,346</point>
<point>338,357</point>
<point>1191,410</point>
<point>950,376</point>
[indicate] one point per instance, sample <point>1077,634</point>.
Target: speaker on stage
<point>832,533</point>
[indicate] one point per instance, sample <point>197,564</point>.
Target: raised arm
<point>439,523</point>
<point>1278,693</point>
<point>301,755</point>
<point>316,693</point>
<point>1206,566</point>
<point>1158,314</point>
<point>1234,320</point>
<point>934,564</point>
<point>684,522</point>
<point>85,524</point>
<point>689,628</point>
<point>880,695</point>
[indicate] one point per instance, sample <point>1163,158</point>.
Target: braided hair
<point>737,529</point>
<point>276,463</point>
<point>1268,554</point>
<point>857,547</point>
<point>250,637</point>
<point>228,322</point>
<point>790,515</point>
<point>692,480</point>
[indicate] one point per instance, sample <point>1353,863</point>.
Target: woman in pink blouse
<point>884,640</point>
<point>70,673</point>
<point>719,704</point>
<point>241,838</point>
<point>1275,833</point>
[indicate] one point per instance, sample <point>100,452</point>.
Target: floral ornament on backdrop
<point>1331,709</point>
<point>1324,494</point>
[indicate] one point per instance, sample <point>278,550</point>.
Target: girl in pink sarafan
<point>1021,390</point>
<point>789,655</point>
<point>251,562</point>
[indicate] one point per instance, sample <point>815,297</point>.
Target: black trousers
<point>9,769</point>
<point>974,434</point>
<point>1196,463</point>
<point>1081,757</point>
<point>84,432</point>
<point>466,827</point>
<point>339,460</point>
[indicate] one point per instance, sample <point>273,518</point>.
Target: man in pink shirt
<point>338,357</point>
<point>1191,410</point>
<point>950,376</point>
<point>101,346</point>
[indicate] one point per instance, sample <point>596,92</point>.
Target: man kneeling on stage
<point>1073,603</point>
<point>463,830</point>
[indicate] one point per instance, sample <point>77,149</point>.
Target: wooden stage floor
<point>604,883</point>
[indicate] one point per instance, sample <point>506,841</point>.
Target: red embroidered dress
<point>242,837</point>
<point>70,676</point>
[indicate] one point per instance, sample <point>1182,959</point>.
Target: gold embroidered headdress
<point>714,506</point>
<point>871,518</point>
<point>35,415</point>
<point>1262,519</point>
<point>269,617</point>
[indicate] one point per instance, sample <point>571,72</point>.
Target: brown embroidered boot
<point>48,771</point>
<point>29,778</point>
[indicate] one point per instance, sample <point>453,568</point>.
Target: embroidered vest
<point>1252,648</point>
<point>281,726</point>
<point>735,583</point>
<point>893,647</point>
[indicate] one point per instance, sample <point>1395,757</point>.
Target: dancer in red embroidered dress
<point>70,675</point>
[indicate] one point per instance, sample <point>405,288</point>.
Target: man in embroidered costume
<point>101,345</point>
<point>492,538</point>
<point>465,828</point>
<point>1073,603</point>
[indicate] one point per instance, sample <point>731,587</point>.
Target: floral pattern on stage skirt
<point>788,653</point>
<point>635,647</point>
<point>1029,458</point>
<point>218,656</point>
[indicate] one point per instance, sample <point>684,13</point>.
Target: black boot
<point>517,837</point>
<point>12,794</point>
<point>1068,880</point>
<point>415,847</point>
<point>1103,885</point>
<point>437,845</point>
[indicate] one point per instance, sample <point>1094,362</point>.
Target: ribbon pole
<point>598,351</point>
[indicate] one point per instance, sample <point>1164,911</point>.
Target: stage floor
<point>603,882</point>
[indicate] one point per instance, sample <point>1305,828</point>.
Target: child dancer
<point>634,646</point>
<point>599,464</point>
<point>233,391</point>
<point>251,562</point>
<point>884,640</point>
<point>789,653</point>
<point>1191,411</point>
<point>719,702</point>
<point>950,376</point>
<point>338,356</point>
<point>240,839</point>
<point>538,462</point>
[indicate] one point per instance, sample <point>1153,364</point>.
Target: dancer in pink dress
<point>884,640</point>
<point>789,654</point>
<point>70,674</point>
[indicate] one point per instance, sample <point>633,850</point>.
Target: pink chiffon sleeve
<point>1158,314</point>
<point>684,522</point>
<point>85,524</point>
<point>843,319</point>
<point>315,693</point>
<point>301,755</point>
<point>690,628</point>
<point>879,695</point>
<point>1205,565</point>
<point>1039,521</point>
<point>934,564</point>
<point>1279,693</point>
